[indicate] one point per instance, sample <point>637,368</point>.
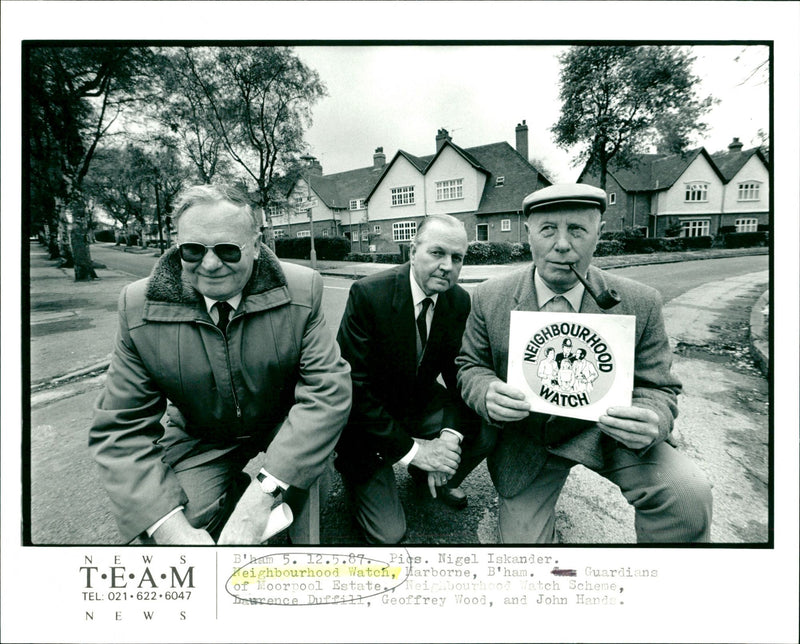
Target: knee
<point>387,534</point>
<point>680,505</point>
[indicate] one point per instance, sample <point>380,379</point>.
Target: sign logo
<point>568,364</point>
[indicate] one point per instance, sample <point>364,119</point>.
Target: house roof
<point>652,172</point>
<point>730,162</point>
<point>336,190</point>
<point>494,160</point>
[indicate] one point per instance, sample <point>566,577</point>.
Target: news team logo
<point>569,365</point>
<point>572,364</point>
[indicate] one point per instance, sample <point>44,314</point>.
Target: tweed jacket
<point>378,338</point>
<point>522,447</point>
<point>278,383</point>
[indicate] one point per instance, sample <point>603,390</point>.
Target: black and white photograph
<point>268,282</point>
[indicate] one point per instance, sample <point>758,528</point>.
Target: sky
<point>398,97</point>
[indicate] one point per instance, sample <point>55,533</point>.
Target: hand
<point>249,518</point>
<point>177,531</point>
<point>437,455</point>
<point>634,427</point>
<point>506,403</point>
<point>436,479</point>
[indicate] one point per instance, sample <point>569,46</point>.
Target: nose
<point>562,242</point>
<point>446,264</point>
<point>210,261</point>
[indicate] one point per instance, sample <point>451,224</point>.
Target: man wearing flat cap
<point>628,445</point>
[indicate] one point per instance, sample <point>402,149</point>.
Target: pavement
<point>724,415</point>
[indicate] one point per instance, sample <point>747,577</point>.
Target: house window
<point>696,192</point>
<point>324,233</point>
<point>481,232</point>
<point>403,231</point>
<point>747,225</point>
<point>694,228</point>
<point>364,236</point>
<point>376,229</point>
<point>279,233</point>
<point>450,189</point>
<point>505,225</point>
<point>403,196</point>
<point>274,211</point>
<point>304,233</point>
<point>356,204</point>
<point>749,191</point>
<point>612,198</point>
<point>500,181</point>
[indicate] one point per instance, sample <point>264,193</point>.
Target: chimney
<point>522,139</point>
<point>735,145</point>
<point>441,136</point>
<point>313,166</point>
<point>378,159</point>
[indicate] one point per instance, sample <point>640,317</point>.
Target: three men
<point>534,452</point>
<point>400,331</point>
<point>237,342</point>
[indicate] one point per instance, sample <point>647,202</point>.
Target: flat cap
<point>577,193</point>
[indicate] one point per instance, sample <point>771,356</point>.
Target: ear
<point>600,227</point>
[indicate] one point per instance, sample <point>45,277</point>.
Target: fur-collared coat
<point>522,447</point>
<point>279,383</point>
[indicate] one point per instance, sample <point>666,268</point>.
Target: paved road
<point>69,507</point>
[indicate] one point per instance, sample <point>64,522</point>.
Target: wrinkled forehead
<point>219,216</point>
<point>451,237</point>
<point>570,211</point>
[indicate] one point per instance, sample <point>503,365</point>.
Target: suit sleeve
<point>125,426</point>
<point>655,386</point>
<point>357,334</point>
<point>308,435</point>
<point>475,362</point>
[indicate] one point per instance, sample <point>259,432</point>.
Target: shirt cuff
<point>406,460</point>
<point>452,431</point>
<point>269,481</point>
<point>158,523</point>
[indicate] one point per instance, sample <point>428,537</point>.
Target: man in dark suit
<point>400,331</point>
<point>628,445</point>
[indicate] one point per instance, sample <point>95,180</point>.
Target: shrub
<point>744,240</point>
<point>696,243</point>
<point>105,236</point>
<point>606,247</point>
<point>333,248</point>
<point>488,253</point>
<point>520,252</point>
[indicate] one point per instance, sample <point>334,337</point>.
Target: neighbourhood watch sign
<point>572,364</point>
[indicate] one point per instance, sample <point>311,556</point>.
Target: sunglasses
<point>194,252</point>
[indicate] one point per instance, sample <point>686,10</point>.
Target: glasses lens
<point>192,252</point>
<point>230,253</point>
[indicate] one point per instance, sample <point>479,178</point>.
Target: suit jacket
<point>378,337</point>
<point>278,383</point>
<point>522,447</point>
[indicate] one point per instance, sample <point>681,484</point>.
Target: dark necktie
<point>224,309</point>
<point>422,323</point>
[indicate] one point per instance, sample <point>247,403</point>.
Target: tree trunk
<point>81,255</point>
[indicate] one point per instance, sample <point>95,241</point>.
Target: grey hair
<point>211,194</point>
<point>448,220</point>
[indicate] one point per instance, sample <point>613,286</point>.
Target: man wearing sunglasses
<point>237,344</point>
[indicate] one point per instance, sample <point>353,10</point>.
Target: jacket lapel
<point>404,325</point>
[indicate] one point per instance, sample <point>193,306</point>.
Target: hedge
<point>334,248</point>
<point>744,240</point>
<point>105,235</point>
<point>479,252</point>
<point>377,258</point>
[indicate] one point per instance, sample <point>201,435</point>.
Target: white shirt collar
<point>233,301</point>
<point>417,294</point>
<point>544,294</point>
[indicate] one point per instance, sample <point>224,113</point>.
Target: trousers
<point>378,509</point>
<point>214,480</point>
<point>670,495</point>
